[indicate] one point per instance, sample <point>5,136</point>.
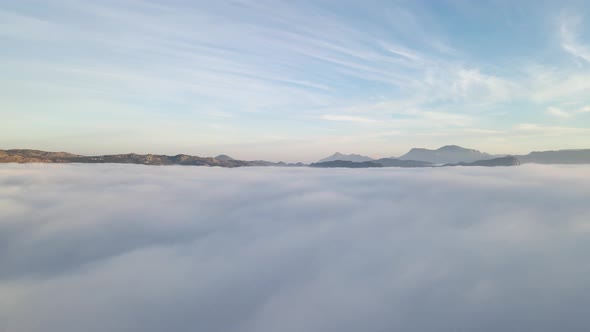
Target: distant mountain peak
<point>224,157</point>
<point>450,154</point>
<point>453,148</point>
<point>346,157</point>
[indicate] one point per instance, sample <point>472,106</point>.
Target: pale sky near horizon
<point>294,80</point>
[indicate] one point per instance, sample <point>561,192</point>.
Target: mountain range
<point>454,154</point>
<point>36,156</point>
<point>449,155</point>
<point>443,155</point>
<point>390,162</point>
<point>446,154</point>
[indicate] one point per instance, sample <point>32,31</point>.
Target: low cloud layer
<point>135,248</point>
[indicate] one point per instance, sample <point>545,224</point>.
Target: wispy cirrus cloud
<point>570,41</point>
<point>558,112</point>
<point>571,112</point>
<point>550,130</point>
<point>270,64</point>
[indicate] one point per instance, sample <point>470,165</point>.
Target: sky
<point>142,248</point>
<point>293,80</point>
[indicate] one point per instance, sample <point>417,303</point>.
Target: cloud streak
<point>570,41</point>
<point>135,248</point>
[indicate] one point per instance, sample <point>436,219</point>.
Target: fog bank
<point>145,248</point>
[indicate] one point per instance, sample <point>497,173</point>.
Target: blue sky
<point>294,80</point>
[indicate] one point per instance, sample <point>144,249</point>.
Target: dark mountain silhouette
<point>581,156</point>
<point>345,164</point>
<point>392,162</point>
<point>446,154</point>
<point>502,161</point>
<point>346,157</point>
<point>272,163</point>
